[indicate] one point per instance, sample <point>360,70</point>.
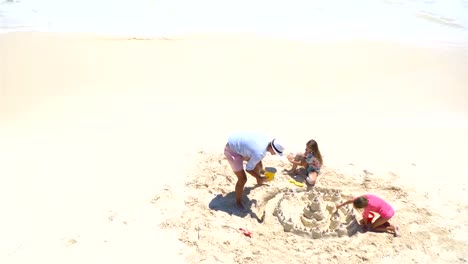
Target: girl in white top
<point>311,160</point>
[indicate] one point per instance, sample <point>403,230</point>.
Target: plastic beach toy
<point>270,173</point>
<point>245,232</point>
<point>299,184</point>
<point>370,217</point>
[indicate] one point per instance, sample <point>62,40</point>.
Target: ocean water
<point>439,22</point>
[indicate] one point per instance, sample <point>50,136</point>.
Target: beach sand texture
<point>111,148</point>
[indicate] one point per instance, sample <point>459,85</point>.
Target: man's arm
<point>250,167</point>
<point>254,173</point>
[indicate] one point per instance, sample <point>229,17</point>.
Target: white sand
<point>111,149</point>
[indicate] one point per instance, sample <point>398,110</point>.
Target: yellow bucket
<point>270,173</point>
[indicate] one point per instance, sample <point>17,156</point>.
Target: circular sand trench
<point>313,214</point>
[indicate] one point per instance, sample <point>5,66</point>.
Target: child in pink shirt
<point>373,203</point>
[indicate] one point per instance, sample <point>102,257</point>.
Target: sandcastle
<point>313,214</point>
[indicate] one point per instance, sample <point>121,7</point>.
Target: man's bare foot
<point>291,172</point>
<point>240,206</point>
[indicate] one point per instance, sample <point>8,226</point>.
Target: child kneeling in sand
<point>376,204</point>
<point>311,160</point>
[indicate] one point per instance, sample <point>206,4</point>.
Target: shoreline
<point>440,44</point>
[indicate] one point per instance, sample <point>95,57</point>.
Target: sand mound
<point>313,214</point>
<point>210,224</point>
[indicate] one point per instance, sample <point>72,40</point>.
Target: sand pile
<point>210,223</point>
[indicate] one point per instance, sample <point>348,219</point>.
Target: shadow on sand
<point>228,205</point>
<point>299,176</point>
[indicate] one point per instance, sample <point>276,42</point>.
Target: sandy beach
<point>111,148</point>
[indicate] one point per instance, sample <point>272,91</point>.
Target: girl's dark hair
<point>360,202</point>
<point>312,144</point>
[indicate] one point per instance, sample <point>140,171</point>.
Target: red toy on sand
<point>245,232</point>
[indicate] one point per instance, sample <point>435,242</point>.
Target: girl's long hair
<point>312,144</point>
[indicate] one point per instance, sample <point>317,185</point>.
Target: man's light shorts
<point>235,160</point>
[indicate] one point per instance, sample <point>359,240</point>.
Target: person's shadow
<point>299,176</point>
<point>228,205</point>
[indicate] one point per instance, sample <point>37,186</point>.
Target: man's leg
<point>236,162</point>
<point>241,180</point>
